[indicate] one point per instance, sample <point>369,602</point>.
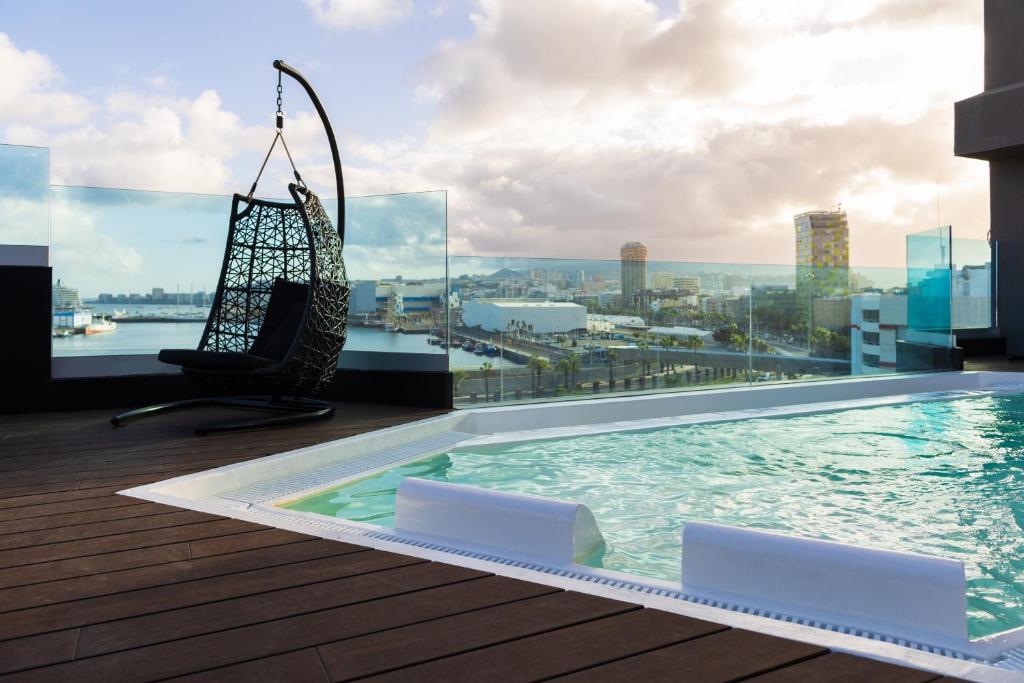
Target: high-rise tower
<point>822,254</point>
<point>633,256</point>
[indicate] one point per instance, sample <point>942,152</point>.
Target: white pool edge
<point>201,491</point>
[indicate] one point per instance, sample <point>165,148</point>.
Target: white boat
<point>100,326</point>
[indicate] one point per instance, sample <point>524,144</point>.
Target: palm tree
<point>612,357</point>
<point>574,365</point>
<point>644,344</point>
<point>562,366</point>
<point>487,369</point>
<point>669,343</point>
<point>693,342</point>
<point>537,365</point>
<point>458,377</point>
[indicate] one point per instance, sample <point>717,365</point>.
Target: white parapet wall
<point>906,594</point>
<point>508,524</point>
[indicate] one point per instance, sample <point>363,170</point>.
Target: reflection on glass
<point>24,188</point>
<point>973,280</point>
<point>545,329</point>
<point>137,270</point>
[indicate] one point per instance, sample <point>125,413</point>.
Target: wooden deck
<point>100,587</point>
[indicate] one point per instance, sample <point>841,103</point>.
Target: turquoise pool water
<point>943,478</point>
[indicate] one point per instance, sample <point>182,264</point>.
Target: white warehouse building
<point>543,317</point>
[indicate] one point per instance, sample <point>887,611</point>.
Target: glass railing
<point>138,271</point>
<point>973,280</point>
<point>24,199</point>
<point>135,272</point>
<point>543,329</point>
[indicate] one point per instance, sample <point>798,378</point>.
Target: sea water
<point>941,478</point>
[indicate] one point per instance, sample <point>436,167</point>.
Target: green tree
<point>537,366</point>
<point>487,369</point>
<point>644,344</point>
<point>574,365</point>
<point>458,377</point>
<point>694,343</point>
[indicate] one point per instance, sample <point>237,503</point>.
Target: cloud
<point>29,89</point>
<point>147,142</point>
<point>358,14</point>
<point>81,248</point>
<point>563,129</point>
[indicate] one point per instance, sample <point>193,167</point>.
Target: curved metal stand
<point>338,179</point>
<point>292,412</point>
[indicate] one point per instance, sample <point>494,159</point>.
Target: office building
<point>822,255</point>
<point>633,257</point>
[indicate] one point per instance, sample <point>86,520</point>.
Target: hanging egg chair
<point>278,320</point>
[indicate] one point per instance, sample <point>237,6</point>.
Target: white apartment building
<point>875,323</point>
<point>542,317</point>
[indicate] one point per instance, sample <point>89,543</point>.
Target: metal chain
<point>280,114</point>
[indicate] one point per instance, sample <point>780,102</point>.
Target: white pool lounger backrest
<point>508,524</point>
<point>906,595</point>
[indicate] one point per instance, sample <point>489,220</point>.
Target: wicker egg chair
<point>278,320</point>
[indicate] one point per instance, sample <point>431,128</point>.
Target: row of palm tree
<point>570,366</point>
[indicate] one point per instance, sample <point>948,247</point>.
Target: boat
<point>468,346</point>
<point>100,326</point>
<point>62,332</point>
<point>491,350</point>
<point>433,341</point>
<point>479,349</point>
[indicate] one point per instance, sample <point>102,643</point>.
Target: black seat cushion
<point>214,360</point>
<point>285,311</point>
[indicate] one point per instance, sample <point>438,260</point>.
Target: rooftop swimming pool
<point>942,478</point>
<point>882,516</point>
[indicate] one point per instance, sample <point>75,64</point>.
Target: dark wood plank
<point>93,564</point>
<point>406,647</point>
<point>36,651</point>
<point>192,655</point>
<point>80,517</point>
<point>559,650</point>
<point>301,666</point>
<point>41,498</point>
<point>115,527</point>
<point>368,576</point>
<point>110,544</point>
<point>149,589</point>
<point>839,667</point>
<point>249,540</point>
<point>69,508</point>
<point>724,656</point>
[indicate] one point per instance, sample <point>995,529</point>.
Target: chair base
<point>293,411</point>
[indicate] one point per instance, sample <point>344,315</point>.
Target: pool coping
<point>220,494</point>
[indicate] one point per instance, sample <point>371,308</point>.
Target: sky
<point>558,128</point>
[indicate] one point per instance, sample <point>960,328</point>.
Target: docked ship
<point>100,326</point>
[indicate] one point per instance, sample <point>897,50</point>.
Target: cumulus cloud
<point>356,14</point>
<point>80,247</point>
<point>145,142</point>
<point>565,128</point>
<point>30,89</point>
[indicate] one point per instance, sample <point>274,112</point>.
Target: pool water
<point>942,478</point>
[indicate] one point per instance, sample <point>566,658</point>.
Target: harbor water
<point>150,337</point>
